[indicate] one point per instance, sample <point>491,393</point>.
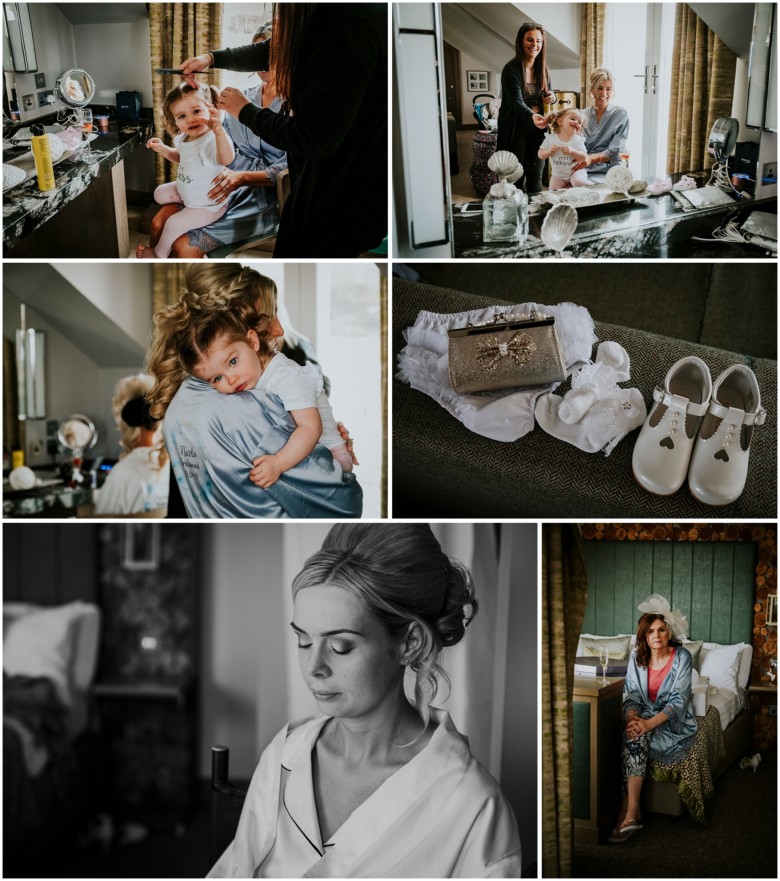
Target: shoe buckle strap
<point>731,414</point>
<point>688,406</point>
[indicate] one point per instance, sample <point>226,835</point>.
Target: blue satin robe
<point>604,136</point>
<point>670,741</point>
<point>212,440</point>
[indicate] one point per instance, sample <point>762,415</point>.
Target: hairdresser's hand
<point>232,100</point>
<point>192,66</point>
<point>538,120</point>
<point>265,471</point>
<point>224,184</point>
<point>348,442</point>
<point>156,144</point>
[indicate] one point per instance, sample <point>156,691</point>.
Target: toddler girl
<point>234,351</point>
<point>201,149</point>
<point>564,145</point>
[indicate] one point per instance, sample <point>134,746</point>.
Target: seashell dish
<point>506,165</point>
<point>619,179</point>
<point>558,227</point>
<point>12,176</point>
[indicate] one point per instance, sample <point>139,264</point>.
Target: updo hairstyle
<point>127,389</point>
<point>402,576</point>
<point>597,77</point>
<point>184,328</point>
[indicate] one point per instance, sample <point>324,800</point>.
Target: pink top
<point>655,678</point>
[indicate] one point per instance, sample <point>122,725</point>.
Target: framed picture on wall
<point>477,80</point>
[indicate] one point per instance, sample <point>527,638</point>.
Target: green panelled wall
<point>712,583</point>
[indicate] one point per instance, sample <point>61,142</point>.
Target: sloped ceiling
<point>487,32</point>
<point>732,22</point>
<point>102,13</point>
<point>42,288</point>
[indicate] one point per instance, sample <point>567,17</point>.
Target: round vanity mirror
<point>75,88</point>
<point>77,433</point>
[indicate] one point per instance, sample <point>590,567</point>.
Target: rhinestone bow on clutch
<point>509,352</point>
<point>520,348</point>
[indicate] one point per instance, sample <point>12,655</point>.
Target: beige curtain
<point>591,45</point>
<point>179,31</point>
<point>167,284</point>
<point>703,70</point>
<point>564,596</point>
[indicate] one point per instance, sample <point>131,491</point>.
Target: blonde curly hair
<point>217,298</point>
<point>554,118</point>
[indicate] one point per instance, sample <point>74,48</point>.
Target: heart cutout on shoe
<point>667,442</point>
<point>722,454</point>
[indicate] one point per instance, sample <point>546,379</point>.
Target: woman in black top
<point>525,89</point>
<point>335,139</point>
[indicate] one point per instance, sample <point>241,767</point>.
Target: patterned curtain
<point>591,45</point>
<point>703,70</point>
<point>167,283</point>
<point>564,597</point>
<point>383,356</point>
<point>179,31</point>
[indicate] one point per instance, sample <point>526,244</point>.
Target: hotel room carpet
<point>739,840</point>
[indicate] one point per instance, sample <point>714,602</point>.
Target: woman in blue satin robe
<point>212,440</point>
<point>660,724</point>
<point>604,124</point>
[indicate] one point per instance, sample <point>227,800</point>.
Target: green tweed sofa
<point>441,469</point>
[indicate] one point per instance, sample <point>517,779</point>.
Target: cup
<point>101,122</point>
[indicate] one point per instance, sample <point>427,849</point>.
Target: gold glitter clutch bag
<point>508,352</point>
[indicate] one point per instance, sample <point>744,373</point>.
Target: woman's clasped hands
<point>636,727</point>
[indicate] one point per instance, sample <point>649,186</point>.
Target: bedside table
<point>763,723</point>
<point>597,710</point>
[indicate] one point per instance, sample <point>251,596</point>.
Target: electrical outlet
<point>45,98</point>
<point>28,102</point>
<point>40,80</point>
<point>36,448</point>
<point>769,173</point>
<point>773,709</point>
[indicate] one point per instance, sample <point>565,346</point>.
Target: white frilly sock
<point>596,414</point>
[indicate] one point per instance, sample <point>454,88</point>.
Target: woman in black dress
<point>525,89</point>
<point>336,140</point>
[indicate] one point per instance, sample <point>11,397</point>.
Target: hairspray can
<point>42,154</point>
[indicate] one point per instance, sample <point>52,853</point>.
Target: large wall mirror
<point>762,88</point>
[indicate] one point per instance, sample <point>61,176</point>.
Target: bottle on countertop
<point>43,162</point>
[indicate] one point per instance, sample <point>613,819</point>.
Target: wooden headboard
<point>712,583</point>
<point>50,563</point>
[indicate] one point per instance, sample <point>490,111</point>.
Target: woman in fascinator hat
<point>657,708</point>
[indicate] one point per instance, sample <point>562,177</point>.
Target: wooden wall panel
<point>711,583</point>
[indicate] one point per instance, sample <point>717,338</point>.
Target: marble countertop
<point>650,226</point>
<point>49,501</point>
<point>25,208</point>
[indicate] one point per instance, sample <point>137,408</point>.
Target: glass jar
<point>499,214</point>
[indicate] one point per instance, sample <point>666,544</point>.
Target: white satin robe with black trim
<point>439,816</point>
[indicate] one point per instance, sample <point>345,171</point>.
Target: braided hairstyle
<point>217,298</point>
<point>401,574</point>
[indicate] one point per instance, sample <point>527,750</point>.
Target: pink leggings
<point>184,221</point>
<point>577,179</point>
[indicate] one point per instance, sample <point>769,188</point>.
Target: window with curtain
<point>239,23</point>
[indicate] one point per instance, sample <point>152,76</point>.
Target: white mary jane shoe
<point>665,443</point>
<point>719,464</point>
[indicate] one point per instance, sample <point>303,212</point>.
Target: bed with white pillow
<point>720,679</point>
<point>49,660</point>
